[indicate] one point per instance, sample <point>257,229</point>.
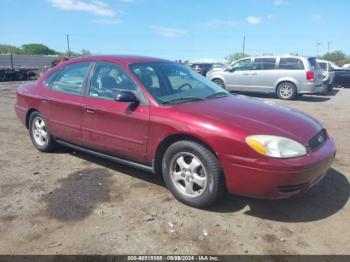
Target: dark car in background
<point>342,78</point>
<point>202,68</point>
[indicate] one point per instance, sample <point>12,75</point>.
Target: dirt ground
<point>72,203</point>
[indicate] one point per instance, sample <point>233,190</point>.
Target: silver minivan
<point>286,76</point>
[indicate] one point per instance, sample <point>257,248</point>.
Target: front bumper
<point>277,178</point>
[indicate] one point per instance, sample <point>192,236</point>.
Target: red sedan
<point>162,117</point>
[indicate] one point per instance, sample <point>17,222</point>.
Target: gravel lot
<point>72,203</point>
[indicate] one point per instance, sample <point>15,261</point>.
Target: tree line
<point>339,57</point>
<point>37,49</point>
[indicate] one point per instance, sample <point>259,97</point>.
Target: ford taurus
<point>164,118</point>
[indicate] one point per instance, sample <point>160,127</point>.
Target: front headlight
<point>276,146</point>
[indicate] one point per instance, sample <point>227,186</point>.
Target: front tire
<point>286,91</point>
<point>220,83</point>
<point>193,174</point>
<point>330,87</point>
<point>39,134</point>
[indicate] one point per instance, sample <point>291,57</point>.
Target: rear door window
<point>72,78</point>
<point>291,64</point>
<point>264,64</point>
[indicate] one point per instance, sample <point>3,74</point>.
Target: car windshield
<point>171,83</point>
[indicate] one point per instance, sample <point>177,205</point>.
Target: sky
<point>179,29</point>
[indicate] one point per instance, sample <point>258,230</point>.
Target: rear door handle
<point>254,74</point>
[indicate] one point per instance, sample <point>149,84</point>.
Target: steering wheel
<point>185,84</point>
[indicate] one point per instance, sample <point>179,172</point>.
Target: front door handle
<point>89,111</point>
<point>254,74</point>
<point>44,100</point>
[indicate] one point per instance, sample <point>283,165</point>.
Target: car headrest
<point>108,82</point>
<point>146,80</point>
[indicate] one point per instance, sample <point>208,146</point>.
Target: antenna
<point>68,45</point>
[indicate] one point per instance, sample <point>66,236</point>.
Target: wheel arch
<point>287,80</point>
<point>29,112</point>
<point>171,139</point>
<point>218,78</point>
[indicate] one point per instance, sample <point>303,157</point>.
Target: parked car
<point>162,117</point>
<point>286,76</point>
<point>218,66</point>
<point>341,78</point>
<point>327,73</point>
<point>202,68</point>
<point>346,66</point>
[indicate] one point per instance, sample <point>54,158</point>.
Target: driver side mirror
<point>230,69</point>
<point>126,97</point>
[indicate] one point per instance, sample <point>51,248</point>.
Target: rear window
<point>264,63</point>
<point>291,64</point>
<point>313,63</point>
<point>323,66</point>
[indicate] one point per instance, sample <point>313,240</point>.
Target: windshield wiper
<point>189,98</point>
<point>218,95</point>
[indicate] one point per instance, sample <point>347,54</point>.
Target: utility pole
<point>68,45</point>
<point>328,47</point>
<point>11,58</point>
<point>318,48</point>
<point>243,46</point>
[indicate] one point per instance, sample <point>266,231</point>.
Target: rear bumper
<point>311,88</point>
<point>277,178</point>
<point>21,113</point>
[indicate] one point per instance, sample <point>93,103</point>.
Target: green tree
<point>37,49</point>
<point>334,56</point>
<point>235,56</point>
<point>7,49</point>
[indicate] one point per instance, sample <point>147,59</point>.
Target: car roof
<point>281,56</point>
<point>323,61</point>
<point>119,59</point>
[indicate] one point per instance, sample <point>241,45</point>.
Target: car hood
<point>254,117</point>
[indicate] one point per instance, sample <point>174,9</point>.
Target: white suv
<point>328,73</point>
<point>286,76</point>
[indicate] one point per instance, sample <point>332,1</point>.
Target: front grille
<point>318,140</point>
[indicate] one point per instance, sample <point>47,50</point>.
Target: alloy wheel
<point>39,131</point>
<point>286,91</point>
<point>188,174</point>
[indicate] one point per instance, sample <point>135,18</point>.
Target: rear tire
<point>40,135</point>
<point>193,174</point>
<point>19,76</point>
<point>2,76</point>
<point>286,91</point>
<point>220,83</point>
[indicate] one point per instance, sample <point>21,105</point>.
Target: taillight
<point>310,75</point>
